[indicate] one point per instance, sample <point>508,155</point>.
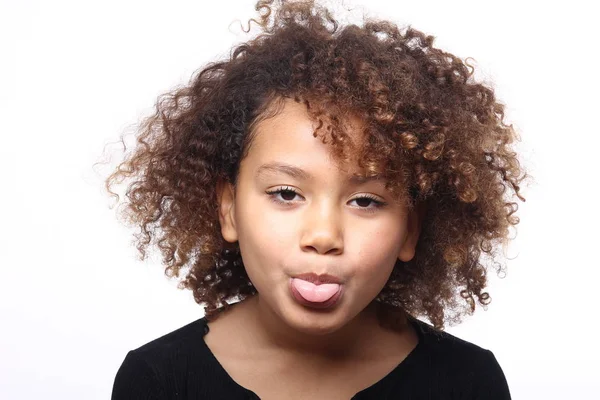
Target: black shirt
<point>179,365</point>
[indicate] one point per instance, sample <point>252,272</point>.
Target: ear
<point>414,224</point>
<point>226,199</point>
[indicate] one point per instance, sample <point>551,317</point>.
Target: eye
<point>285,195</point>
<point>365,200</point>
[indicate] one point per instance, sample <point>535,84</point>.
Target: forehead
<point>277,167</point>
<point>285,143</point>
<point>291,133</point>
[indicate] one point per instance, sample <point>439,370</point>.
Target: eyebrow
<point>300,174</point>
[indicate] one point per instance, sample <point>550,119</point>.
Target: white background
<point>74,75</point>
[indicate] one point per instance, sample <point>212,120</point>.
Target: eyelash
<point>378,204</point>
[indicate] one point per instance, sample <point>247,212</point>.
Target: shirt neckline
<point>382,383</point>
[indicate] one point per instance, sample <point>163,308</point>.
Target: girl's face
<point>295,212</point>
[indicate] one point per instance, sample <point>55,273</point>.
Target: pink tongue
<point>315,293</point>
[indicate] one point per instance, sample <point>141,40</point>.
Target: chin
<point>313,321</point>
<point>314,327</point>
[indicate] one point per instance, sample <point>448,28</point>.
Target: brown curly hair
<point>438,137</point>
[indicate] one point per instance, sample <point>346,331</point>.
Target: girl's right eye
<point>287,195</point>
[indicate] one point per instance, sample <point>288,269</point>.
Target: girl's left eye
<point>287,195</point>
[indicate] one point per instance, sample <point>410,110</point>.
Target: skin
<point>324,228</point>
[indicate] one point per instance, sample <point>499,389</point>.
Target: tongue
<point>315,293</point>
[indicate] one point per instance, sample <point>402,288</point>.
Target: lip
<point>319,279</point>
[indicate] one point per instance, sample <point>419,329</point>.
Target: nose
<point>322,230</point>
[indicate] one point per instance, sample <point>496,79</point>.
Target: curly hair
<point>437,136</point>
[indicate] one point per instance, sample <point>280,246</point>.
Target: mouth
<point>317,296</point>
<point>319,279</point>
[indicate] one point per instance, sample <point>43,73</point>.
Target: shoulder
<point>181,341</point>
<point>464,365</point>
<point>443,346</point>
<point>152,369</point>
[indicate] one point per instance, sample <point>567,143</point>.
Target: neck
<point>354,339</point>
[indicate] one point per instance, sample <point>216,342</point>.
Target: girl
<point>337,183</point>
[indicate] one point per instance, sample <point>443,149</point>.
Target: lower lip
<point>324,305</point>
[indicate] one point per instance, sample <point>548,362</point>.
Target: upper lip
<point>319,279</point>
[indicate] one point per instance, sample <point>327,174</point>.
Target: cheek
<point>268,227</point>
<point>269,231</point>
<point>379,248</point>
<point>262,236</point>
<point>259,214</point>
